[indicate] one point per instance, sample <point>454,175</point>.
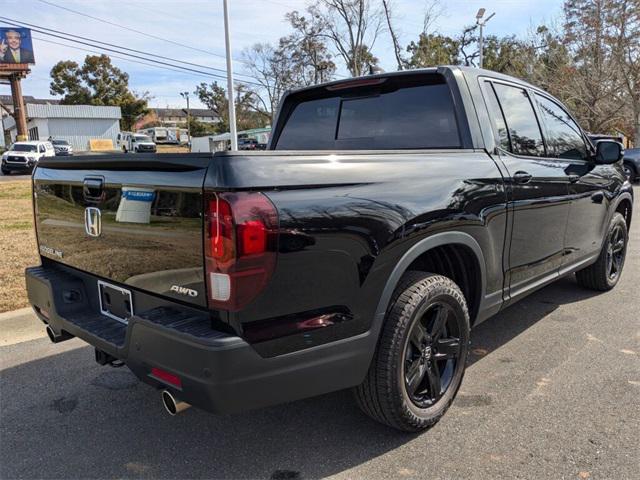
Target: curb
<point>15,313</point>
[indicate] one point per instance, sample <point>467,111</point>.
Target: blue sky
<point>199,23</point>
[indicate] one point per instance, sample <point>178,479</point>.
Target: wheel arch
<point>624,205</point>
<point>419,249</point>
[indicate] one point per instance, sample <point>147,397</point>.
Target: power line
<point>64,36</point>
<point>36,27</point>
<point>204,74</point>
<point>140,32</point>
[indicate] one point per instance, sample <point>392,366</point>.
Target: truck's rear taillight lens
<point>240,247</point>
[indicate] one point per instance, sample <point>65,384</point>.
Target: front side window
<point>524,130</point>
<point>564,139</point>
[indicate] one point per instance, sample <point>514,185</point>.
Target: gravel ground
<point>552,391</point>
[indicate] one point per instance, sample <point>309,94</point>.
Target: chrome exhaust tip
<point>57,337</point>
<point>172,405</point>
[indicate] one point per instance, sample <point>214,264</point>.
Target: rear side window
<point>564,139</point>
<point>524,130</point>
<point>393,116</point>
<point>497,117</point>
<point>311,126</point>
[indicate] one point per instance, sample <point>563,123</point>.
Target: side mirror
<point>608,152</point>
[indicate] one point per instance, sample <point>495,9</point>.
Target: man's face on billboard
<point>13,39</point>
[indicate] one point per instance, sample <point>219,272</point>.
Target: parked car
<point>391,215</point>
<point>247,144</point>
<point>62,147</point>
<point>24,156</point>
<point>632,164</point>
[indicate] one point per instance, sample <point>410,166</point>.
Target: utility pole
<point>481,23</point>
<point>230,93</point>
<point>185,95</point>
<point>19,113</point>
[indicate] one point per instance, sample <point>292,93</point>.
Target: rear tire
<point>421,355</point>
<point>605,273</point>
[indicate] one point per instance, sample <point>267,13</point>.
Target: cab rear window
<point>412,113</point>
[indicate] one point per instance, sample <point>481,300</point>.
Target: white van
<point>136,143</point>
<point>122,141</point>
<point>24,156</point>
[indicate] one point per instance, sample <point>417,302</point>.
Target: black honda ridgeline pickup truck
<point>389,215</point>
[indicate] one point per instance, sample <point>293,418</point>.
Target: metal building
<point>78,124</point>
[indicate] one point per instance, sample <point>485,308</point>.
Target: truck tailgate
<point>136,222</point>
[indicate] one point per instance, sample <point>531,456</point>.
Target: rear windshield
<point>415,112</point>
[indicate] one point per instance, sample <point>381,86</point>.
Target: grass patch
<point>18,248</point>
<point>18,226</point>
<point>18,190</point>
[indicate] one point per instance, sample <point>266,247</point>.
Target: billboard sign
<point>16,48</point>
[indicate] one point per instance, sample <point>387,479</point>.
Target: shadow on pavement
<point>62,416</point>
<point>511,322</point>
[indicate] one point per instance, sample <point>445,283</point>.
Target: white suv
<point>23,156</point>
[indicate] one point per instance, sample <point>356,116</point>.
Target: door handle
<point>522,177</point>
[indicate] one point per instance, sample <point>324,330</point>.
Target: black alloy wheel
<point>616,250</point>
<point>431,355</point>
<point>605,273</point>
<point>420,358</point>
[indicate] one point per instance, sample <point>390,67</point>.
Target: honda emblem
<point>92,221</point>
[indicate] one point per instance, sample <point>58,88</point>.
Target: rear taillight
<point>240,247</point>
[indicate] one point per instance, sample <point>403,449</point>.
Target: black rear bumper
<point>219,371</point>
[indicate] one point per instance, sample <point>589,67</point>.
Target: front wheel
<point>605,273</point>
<point>420,359</point>
<point>5,171</point>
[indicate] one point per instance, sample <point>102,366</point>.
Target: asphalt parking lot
<point>552,391</point>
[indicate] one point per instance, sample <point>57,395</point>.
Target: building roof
<point>65,111</point>
<point>35,110</point>
<point>227,136</point>
<point>7,100</point>
<point>182,113</point>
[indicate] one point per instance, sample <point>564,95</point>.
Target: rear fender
<point>422,246</point>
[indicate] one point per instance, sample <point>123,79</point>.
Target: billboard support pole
<point>18,107</point>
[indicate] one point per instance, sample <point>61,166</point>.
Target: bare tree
<point>272,69</point>
<point>308,51</point>
<point>625,40</point>
<point>433,10</point>
<point>397,49</point>
<point>593,86</point>
<point>469,40</point>
<point>353,27</point>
